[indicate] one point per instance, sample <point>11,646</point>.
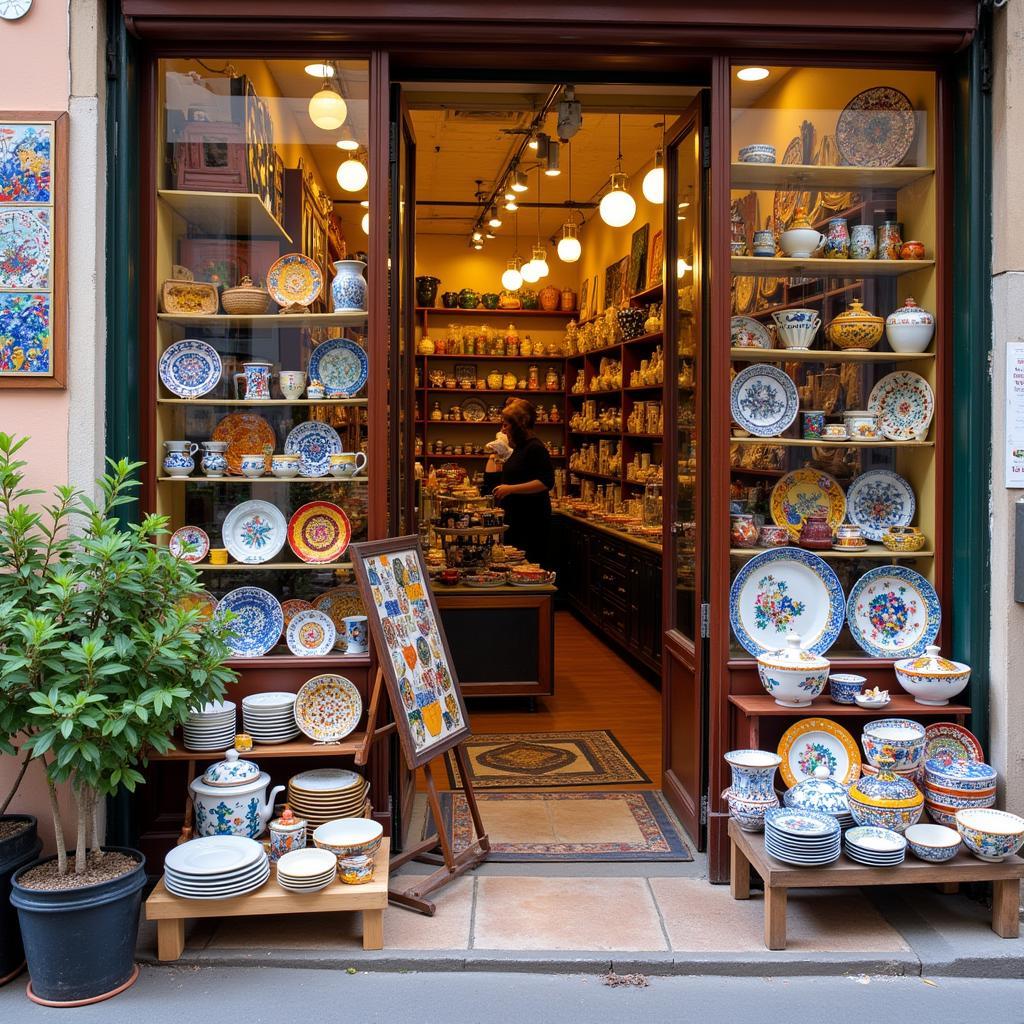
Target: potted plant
<point>101,657</point>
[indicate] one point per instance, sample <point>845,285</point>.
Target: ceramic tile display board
<point>414,657</point>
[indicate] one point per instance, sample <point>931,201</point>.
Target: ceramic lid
<point>930,664</point>
<point>793,656</point>
<point>856,314</point>
<point>954,769</point>
<point>910,313</point>
<point>287,822</point>
<point>232,771</point>
<point>886,789</point>
<point>820,793</point>
<point>799,219</point>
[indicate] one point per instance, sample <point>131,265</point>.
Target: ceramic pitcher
<point>256,376</point>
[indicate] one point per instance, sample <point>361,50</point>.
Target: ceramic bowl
<point>990,834</point>
<point>801,242</point>
<point>963,776</point>
<point>758,153</point>
<point>253,466</point>
<point>843,687</point>
<point>749,814</point>
<point>903,538</point>
<point>284,466</point>
<point>930,679</point>
<point>349,837</point>
<point>862,425</point>
<point>792,676</point>
<point>957,802</point>
<point>934,843</point>
<point>900,738</point>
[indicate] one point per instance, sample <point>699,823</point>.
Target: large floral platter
<point>893,612</point>
<point>328,707</point>
<point>876,128</point>
<point>904,404</point>
<point>812,743</point>
<point>190,368</point>
<point>295,279</point>
<point>879,499</point>
<point>763,400</point>
<point>806,492</point>
<point>746,332</point>
<point>257,621</point>
<point>319,532</point>
<point>340,365</point>
<point>314,443</point>
<point>781,591</point>
<point>254,531</point>
<point>246,433</point>
<point>311,634</point>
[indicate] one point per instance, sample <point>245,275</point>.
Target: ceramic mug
<point>218,556</point>
<point>253,465</point>
<point>814,425</point>
<point>292,383</point>
<point>256,376</point>
<point>356,635</point>
<point>835,432</point>
<point>315,391</point>
<point>764,243</point>
<point>347,463</point>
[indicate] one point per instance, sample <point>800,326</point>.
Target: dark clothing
<point>528,516</point>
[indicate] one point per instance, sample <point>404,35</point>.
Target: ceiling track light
<point>543,141</point>
<point>552,169</point>
<point>511,206</point>
<point>493,220</point>
<point>519,183</point>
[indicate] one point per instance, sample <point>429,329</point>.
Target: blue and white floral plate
<point>879,499</point>
<point>314,443</point>
<point>893,612</point>
<point>786,590</point>
<point>254,532</point>
<point>257,624</point>
<point>763,400</point>
<point>190,368</point>
<point>340,365</point>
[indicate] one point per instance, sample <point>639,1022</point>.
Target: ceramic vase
<point>348,289</point>
<point>837,239</point>
<point>213,464</point>
<point>753,773</point>
<point>862,242</point>
<point>256,376</point>
<point>550,298</point>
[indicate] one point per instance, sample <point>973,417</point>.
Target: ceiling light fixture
<point>617,206</point>
<point>365,223</point>
<point>529,272</point>
<point>327,109</point>
<point>319,70</point>
<point>569,247</point>
<point>478,245</point>
<point>489,234</point>
<point>352,175</point>
<point>653,186</point>
<point>552,168</point>
<point>347,142</point>
<point>494,221</point>
<point>752,74</point>
<point>519,183</point>
<point>512,206</point>
<point>543,141</point>
<point>512,280</point>
<point>570,114</point>
<point>533,143</point>
<point>478,236</point>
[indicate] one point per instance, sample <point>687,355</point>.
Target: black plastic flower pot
<point>15,853</point>
<point>80,943</point>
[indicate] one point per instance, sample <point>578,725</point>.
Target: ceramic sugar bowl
<point>855,329</point>
<point>793,676</point>
<point>230,798</point>
<point>886,800</point>
<point>932,680</point>
<point>287,833</point>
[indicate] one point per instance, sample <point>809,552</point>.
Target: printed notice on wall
<point>1015,414</point>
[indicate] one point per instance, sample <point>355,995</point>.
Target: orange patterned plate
<point>246,434</point>
<point>328,707</point>
<point>202,601</point>
<point>290,609</point>
<point>319,532</point>
<point>339,602</point>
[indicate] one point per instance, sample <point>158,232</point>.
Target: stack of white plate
<point>216,868</point>
<point>879,847</point>
<point>804,838</point>
<point>270,717</point>
<point>324,794</point>
<point>307,870</point>
<point>212,727</point>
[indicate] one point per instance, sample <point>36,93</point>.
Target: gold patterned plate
<point>319,532</point>
<point>328,707</point>
<point>246,434</point>
<point>787,200</point>
<point>805,492</point>
<point>338,603</point>
<point>295,279</point>
<point>744,293</point>
<point>815,742</point>
<point>828,156</point>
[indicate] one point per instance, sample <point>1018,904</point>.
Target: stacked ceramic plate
<point>270,717</point>
<point>216,868</point>
<point>878,847</point>
<point>804,838</point>
<point>212,727</point>
<point>323,794</point>
<point>306,870</point>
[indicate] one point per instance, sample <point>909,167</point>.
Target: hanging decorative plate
<point>786,201</point>
<point>947,739</point>
<point>744,291</point>
<point>876,128</point>
<point>246,434</point>
<point>805,492</point>
<point>295,279</point>
<point>763,400</point>
<point>202,601</point>
<point>319,532</point>
<point>189,543</point>
<point>815,742</point>
<point>314,443</point>
<point>769,290</point>
<point>828,156</point>
<point>340,365</point>
<point>328,707</point>
<point>257,621</point>
<point>311,634</point>
<point>254,532</point>
<point>893,612</point>
<point>338,603</point>
<point>746,332</point>
<point>904,404</point>
<point>292,607</point>
<point>879,499</point>
<point>190,368</point>
<point>474,410</point>
<point>786,590</point>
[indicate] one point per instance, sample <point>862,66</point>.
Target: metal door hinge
<point>705,621</point>
<point>705,145</point>
<point>704,809</point>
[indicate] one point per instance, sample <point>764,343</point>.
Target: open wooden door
<point>684,612</point>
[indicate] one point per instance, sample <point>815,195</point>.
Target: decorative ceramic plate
<point>328,781</point>
<point>254,531</point>
<point>202,601</point>
<point>786,200</point>
<point>784,590</point>
<point>189,543</point>
<point>258,621</point>
<point>948,738</point>
<point>295,279</point>
<point>904,404</point>
<point>879,499</point>
<point>828,156</point>
<point>801,823</point>
<point>319,532</point>
<point>876,128</point>
<point>746,332</point>
<point>246,433</point>
<point>893,612</point>
<point>338,603</point>
<point>744,293</point>
<point>292,607</point>
<point>314,443</point>
<point>763,400</point>
<point>328,707</point>
<point>805,492</point>
<point>311,634</point>
<point>190,368</point>
<point>340,365</point>
<point>813,742</point>
<point>213,855</point>
<point>474,410</point>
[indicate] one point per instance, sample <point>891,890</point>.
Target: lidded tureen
<point>909,328</point>
<point>793,676</point>
<point>886,800</point>
<point>856,328</point>
<point>230,798</point>
<point>931,679</point>
<point>818,793</point>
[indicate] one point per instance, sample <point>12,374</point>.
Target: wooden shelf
<point>252,404</point>
<point>646,437</point>
<point>238,214</point>
<point>478,423</point>
<point>497,359</point>
<point>901,705</point>
<point>809,176</point>
<point>301,747</point>
<point>468,392</point>
<point>792,266</point>
<point>814,355</point>
<point>595,476</point>
<point>799,442</point>
<point>507,314</point>
<point>273,566</point>
<point>268,479</point>
<point>644,387</point>
<point>596,351</point>
<point>648,293</point>
<point>291,661</point>
<point>596,433</point>
<point>645,339</point>
<point>272,320</point>
<point>876,551</point>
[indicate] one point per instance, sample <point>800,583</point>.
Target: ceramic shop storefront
<point>824,73</point>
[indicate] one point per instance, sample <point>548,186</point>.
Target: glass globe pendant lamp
<point>327,109</point>
<point>530,273</point>
<point>352,175</point>
<point>569,248</point>
<point>512,280</point>
<point>617,206</point>
<point>653,185</point>
<point>540,261</point>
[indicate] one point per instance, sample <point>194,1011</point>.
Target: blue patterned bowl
<point>843,687</point>
<point>901,738</point>
<point>990,834</point>
<point>933,843</point>
<point>958,774</point>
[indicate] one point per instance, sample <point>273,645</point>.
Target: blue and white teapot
<point>231,799</point>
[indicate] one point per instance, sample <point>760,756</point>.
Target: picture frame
<point>584,300</point>
<point>637,276</point>
<point>33,249</point>
<point>656,260</point>
<point>615,281</point>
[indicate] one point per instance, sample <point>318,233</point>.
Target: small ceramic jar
<point>356,870</point>
<point>818,793</point>
<point>772,536</point>
<point>912,250</point>
<point>886,800</point>
<point>742,531</point>
<point>813,425</point>
<point>287,833</point>
<point>861,425</point>
<point>909,328</point>
<point>855,329</point>
<point>849,538</point>
<point>815,534</point>
<point>315,390</point>
<point>843,687</point>
<point>792,676</point>
<point>932,680</point>
<point>835,432</point>
<point>764,243</point>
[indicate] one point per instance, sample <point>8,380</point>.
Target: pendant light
<point>352,175</point>
<point>540,261</point>
<point>494,221</point>
<point>538,265</point>
<point>519,182</point>
<point>618,207</point>
<point>569,247</point>
<point>653,185</point>
<point>512,279</point>
<point>327,110</point>
<point>530,273</point>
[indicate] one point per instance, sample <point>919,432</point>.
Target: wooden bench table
<point>171,912</point>
<point>747,851</point>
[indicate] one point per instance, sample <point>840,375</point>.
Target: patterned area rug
<point>528,760</point>
<point>590,826</point>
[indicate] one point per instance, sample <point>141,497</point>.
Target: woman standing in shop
<point>520,475</point>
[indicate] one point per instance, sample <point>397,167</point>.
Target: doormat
<point>527,760</point>
<point>542,827</point>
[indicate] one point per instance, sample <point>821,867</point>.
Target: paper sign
<point>1015,414</point>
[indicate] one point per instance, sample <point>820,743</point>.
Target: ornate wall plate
<point>904,404</point>
<point>189,543</point>
<point>257,622</point>
<point>893,612</point>
<point>247,434</point>
<point>763,400</point>
<point>879,499</point>
<point>805,492</point>
<point>190,368</point>
<point>338,603</point>
<point>311,634</point>
<point>876,128</point>
<point>295,279</point>
<point>314,443</point>
<point>744,293</point>
<point>328,707</point>
<point>292,607</point>
<point>814,742</point>
<point>319,532</point>
<point>746,332</point>
<point>254,532</point>
<point>787,200</point>
<point>942,739</point>
<point>340,365</point>
<point>474,410</point>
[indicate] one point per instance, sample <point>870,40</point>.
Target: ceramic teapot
<point>231,799</point>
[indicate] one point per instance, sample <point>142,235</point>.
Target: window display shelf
<point>596,433</point>
<point>491,391</point>
<point>278,321</point>
<point>799,442</point>
<point>644,387</point>
<point>262,480</point>
<point>794,266</point>
<point>478,423</point>
<point>901,705</point>
<point>792,176</point>
<point>506,314</point>
<point>302,747</point>
<point>646,437</point>
<point>815,355</point>
<point>596,351</point>
<point>252,403</point>
<point>499,359</point>
<point>275,566</point>
<point>645,339</point>
<point>226,213</point>
<point>876,551</point>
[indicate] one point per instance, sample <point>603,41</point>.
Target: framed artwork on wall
<point>615,282</point>
<point>585,300</point>
<point>33,249</point>
<point>637,278</point>
<point>656,259</point>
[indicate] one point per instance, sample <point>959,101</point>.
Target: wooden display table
<point>747,850</point>
<point>170,912</point>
